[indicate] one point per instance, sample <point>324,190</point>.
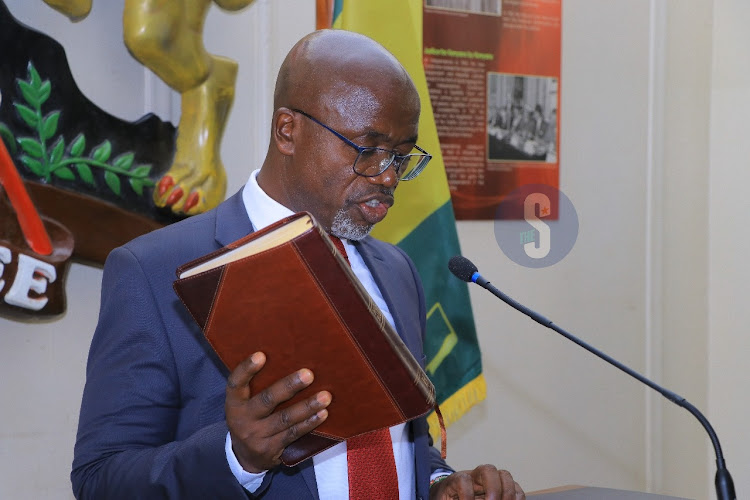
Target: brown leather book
<point>286,291</point>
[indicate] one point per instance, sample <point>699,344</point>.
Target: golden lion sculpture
<point>166,36</point>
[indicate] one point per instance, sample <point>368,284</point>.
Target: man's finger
<point>239,380</point>
<point>265,402</point>
<point>509,485</point>
<point>294,432</point>
<point>283,420</point>
<point>487,481</point>
<point>460,485</point>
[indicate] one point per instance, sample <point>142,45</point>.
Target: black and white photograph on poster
<point>492,7</point>
<point>521,118</point>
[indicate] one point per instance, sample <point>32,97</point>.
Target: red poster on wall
<point>493,72</point>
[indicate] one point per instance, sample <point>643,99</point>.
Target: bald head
<point>337,94</point>
<point>335,70</point>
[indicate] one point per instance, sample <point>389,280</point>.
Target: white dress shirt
<point>330,465</point>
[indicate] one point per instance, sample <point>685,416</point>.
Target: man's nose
<point>388,177</point>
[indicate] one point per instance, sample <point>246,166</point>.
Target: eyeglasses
<point>371,162</point>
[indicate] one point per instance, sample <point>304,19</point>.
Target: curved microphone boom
<point>465,270</point>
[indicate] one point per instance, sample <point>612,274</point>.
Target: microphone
<point>465,270</point>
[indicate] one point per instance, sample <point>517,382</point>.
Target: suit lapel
<point>307,470</point>
<point>383,275</point>
<point>232,222</point>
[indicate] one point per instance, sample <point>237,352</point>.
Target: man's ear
<point>282,132</point>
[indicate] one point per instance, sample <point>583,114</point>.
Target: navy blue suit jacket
<point>152,419</point>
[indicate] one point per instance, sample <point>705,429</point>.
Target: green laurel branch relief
<point>45,153</point>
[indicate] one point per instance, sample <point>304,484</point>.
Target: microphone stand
<point>723,480</point>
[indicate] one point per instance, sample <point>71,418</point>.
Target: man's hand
<point>483,482</point>
<point>259,433</point>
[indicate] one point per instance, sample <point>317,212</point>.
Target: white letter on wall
<point>25,281</point>
<point>4,259</point>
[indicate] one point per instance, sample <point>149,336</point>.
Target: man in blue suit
<point>159,418</point>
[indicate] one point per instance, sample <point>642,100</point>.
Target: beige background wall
<point>654,93</point>
<point>728,342</point>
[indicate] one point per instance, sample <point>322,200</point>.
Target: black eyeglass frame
<point>399,160</point>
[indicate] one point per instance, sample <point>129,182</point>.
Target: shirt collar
<point>261,208</point>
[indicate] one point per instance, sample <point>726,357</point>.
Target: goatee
<point>344,227</point>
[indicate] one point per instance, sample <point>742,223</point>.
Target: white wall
<point>653,92</point>
<point>681,262</point>
<point>728,240</point>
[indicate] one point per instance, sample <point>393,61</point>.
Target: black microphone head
<point>462,268</point>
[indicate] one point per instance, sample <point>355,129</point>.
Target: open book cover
<point>286,291</point>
